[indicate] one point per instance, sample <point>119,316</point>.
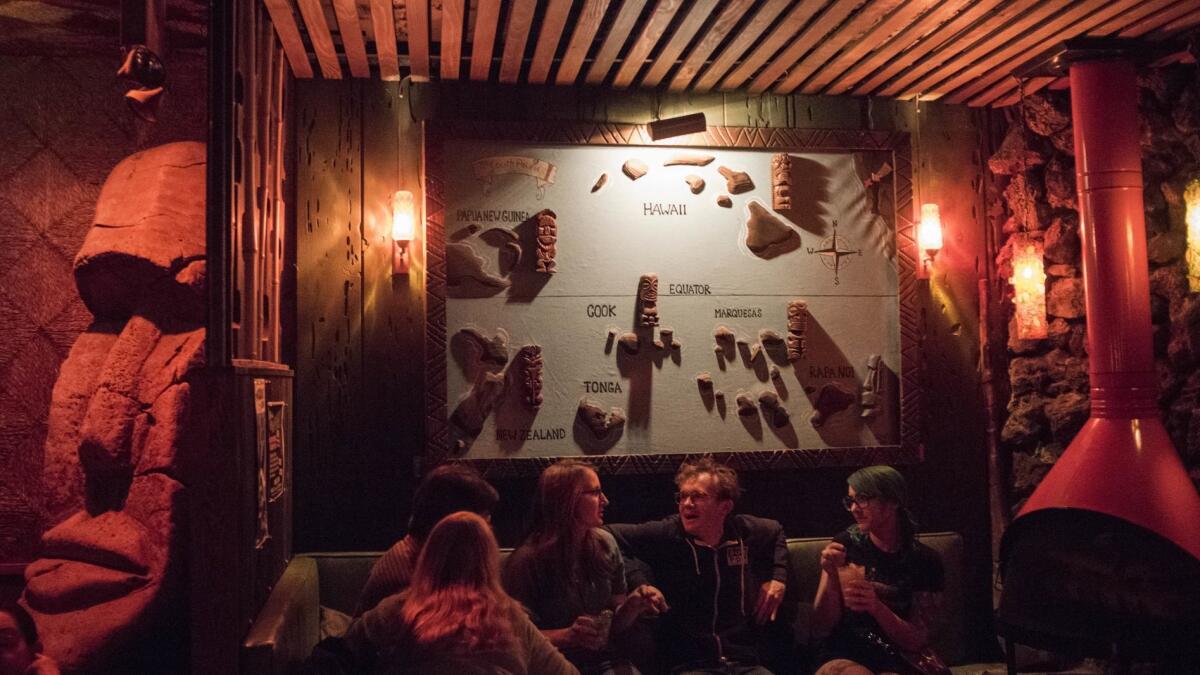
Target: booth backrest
<point>289,624</point>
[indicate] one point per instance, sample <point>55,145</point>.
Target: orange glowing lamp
<point>1029,289</point>
<point>404,229</point>
<point>929,238</point>
<point>1191,198</point>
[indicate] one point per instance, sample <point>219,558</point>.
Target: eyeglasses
<point>596,492</point>
<point>696,497</point>
<point>861,500</point>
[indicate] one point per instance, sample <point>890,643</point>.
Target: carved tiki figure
<point>547,240</point>
<point>869,398</point>
<point>781,182</point>
<point>647,296</point>
<point>531,375</point>
<point>128,408</point>
<point>797,323</point>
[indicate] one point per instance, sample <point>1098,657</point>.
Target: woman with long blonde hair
<point>569,573</point>
<point>455,616</point>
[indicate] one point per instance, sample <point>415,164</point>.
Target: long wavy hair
<point>566,552</point>
<point>455,602</point>
<point>886,483</point>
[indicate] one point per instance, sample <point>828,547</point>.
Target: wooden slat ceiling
<point>958,51</point>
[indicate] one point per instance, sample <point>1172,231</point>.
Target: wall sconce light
<point>1191,198</point>
<point>929,238</point>
<point>404,228</point>
<point>677,126</point>
<point>1029,288</point>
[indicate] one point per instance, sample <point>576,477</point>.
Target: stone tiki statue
<point>127,410</point>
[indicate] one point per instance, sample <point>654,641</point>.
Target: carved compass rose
<point>835,252</point>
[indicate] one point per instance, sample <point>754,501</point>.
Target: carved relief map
<point>650,300</point>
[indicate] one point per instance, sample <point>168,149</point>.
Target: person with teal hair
<point>880,588</point>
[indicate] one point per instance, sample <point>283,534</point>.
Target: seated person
<point>570,575</point>
<point>454,617</point>
<point>722,574</point>
<point>20,649</point>
<point>445,490</point>
<point>880,588</point>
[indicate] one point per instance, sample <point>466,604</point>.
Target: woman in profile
<point>880,588</point>
<point>570,575</point>
<point>454,617</point>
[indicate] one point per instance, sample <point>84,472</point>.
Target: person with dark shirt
<point>880,588</point>
<point>723,574</point>
<point>444,490</point>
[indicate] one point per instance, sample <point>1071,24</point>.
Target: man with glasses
<point>722,574</point>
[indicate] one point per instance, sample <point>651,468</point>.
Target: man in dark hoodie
<point>722,574</point>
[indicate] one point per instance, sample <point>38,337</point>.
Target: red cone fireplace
<point>1105,556</point>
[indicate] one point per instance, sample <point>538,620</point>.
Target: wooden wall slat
<point>280,12</point>
<point>998,65</point>
<point>322,41</point>
<point>516,34</point>
<point>483,42</point>
<point>1121,22</point>
<point>984,33</point>
<point>903,40</point>
<point>418,39</point>
<point>453,15</point>
<point>1158,19</point>
<point>683,35</point>
<point>925,46</point>
<point>653,31</point>
<point>586,25</point>
<point>730,16</point>
<point>618,33</point>
<point>553,21</point>
<point>875,38</point>
<point>352,39</point>
<point>795,71</point>
<point>384,23</point>
<point>787,28</point>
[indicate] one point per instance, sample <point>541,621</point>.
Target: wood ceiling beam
<point>926,45</point>
<point>653,31</point>
<point>483,41</point>
<point>976,40</point>
<point>553,22</point>
<point>941,13</point>
<point>1122,21</point>
<point>586,26</point>
<point>877,38</point>
<point>454,14</point>
<point>384,24</point>
<point>288,32</point>
<point>516,35</point>
<point>996,66</point>
<point>322,41</point>
<point>1179,25</point>
<point>712,38</point>
<point>853,31</point>
<point>679,41</point>
<point>418,39</point>
<point>1032,86</point>
<point>352,38</point>
<point>1158,19</point>
<point>618,33</point>
<point>785,30</point>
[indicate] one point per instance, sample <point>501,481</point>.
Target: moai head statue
<point>107,592</point>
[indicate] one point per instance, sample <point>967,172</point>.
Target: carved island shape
<point>766,236</point>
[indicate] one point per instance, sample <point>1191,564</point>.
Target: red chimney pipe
<point>1122,462</point>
